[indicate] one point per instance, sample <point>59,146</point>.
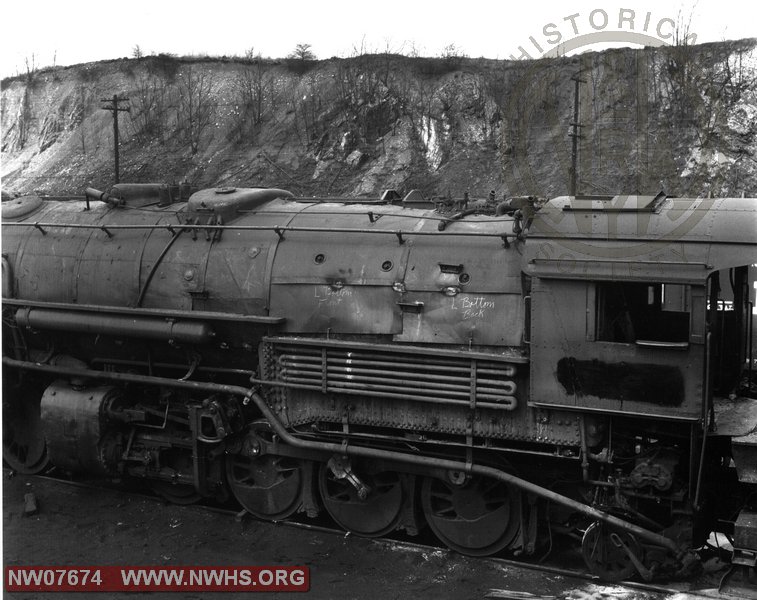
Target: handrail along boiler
<point>579,365</point>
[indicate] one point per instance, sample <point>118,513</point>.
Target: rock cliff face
<point>683,119</point>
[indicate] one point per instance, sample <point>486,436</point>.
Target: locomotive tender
<point>574,365</point>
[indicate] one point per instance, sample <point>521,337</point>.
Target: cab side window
<point>628,312</point>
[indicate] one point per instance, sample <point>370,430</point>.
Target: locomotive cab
<point>642,314</point>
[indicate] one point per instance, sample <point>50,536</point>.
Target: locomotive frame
<point>573,364</point>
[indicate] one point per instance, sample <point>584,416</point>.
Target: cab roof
<point>641,237</point>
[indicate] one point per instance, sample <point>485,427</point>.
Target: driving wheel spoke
<point>373,516</point>
<point>477,518</point>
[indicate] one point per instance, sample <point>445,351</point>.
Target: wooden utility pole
<point>115,109</point>
<point>575,135</point>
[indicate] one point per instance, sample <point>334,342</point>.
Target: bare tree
<point>195,109</point>
<point>452,51</point>
<point>305,102</point>
<point>31,67</point>
<point>366,95</point>
<point>25,112</point>
<point>310,107</point>
<point>252,85</point>
<point>721,89</point>
<point>83,97</point>
<point>149,107</point>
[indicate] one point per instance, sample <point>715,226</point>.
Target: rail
<point>250,395</point>
<point>389,542</point>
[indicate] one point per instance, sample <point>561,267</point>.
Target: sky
<point>65,32</point>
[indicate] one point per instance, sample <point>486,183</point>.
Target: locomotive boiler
<point>580,365</point>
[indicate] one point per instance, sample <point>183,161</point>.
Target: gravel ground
<point>85,527</point>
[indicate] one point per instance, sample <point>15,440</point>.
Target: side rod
<point>426,461</point>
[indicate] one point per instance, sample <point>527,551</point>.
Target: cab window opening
<point>630,311</point>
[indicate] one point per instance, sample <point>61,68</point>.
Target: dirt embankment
<point>679,118</point>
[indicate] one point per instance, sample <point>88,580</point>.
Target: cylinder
<point>73,423</point>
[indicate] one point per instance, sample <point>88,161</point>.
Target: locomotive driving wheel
<point>24,447</point>
<point>604,554</point>
<point>372,513</point>
<point>268,486</point>
<point>475,515</point>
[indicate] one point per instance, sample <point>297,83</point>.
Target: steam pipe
<point>705,414</point>
<point>154,328</point>
<point>354,366</point>
<point>751,340</point>
<point>506,402</point>
<point>98,196</point>
<point>584,449</point>
<point>155,265</point>
<point>441,363</point>
<point>163,365</point>
<point>418,381</point>
<point>502,402</point>
<point>7,275</point>
<point>389,455</point>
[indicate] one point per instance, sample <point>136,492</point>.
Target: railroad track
<point>401,541</point>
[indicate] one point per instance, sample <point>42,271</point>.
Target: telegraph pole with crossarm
<point>115,109</point>
<point>575,135</point>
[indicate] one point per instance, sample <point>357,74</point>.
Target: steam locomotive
<point>581,365</point>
